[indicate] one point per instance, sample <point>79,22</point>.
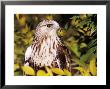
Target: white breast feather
<point>28,54</point>
<point>44,57</point>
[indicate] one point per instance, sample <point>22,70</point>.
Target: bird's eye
<point>49,25</point>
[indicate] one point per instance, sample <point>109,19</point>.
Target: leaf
<point>26,41</point>
<point>82,45</point>
<point>86,72</point>
<point>80,69</point>
<point>77,21</point>
<point>83,71</point>
<point>74,18</point>
<point>67,72</point>
<point>86,56</point>
<point>66,26</point>
<point>30,41</point>
<point>92,43</point>
<point>49,17</point>
<point>17,16</point>
<point>57,71</point>
<point>28,70</point>
<point>82,16</point>
<point>73,46</point>
<point>29,35</point>
<point>16,66</point>
<point>86,29</point>
<point>92,66</point>
<point>61,32</point>
<point>81,31</point>
<point>82,64</point>
<point>41,73</point>
<point>22,21</point>
<point>25,30</point>
<point>16,73</point>
<point>49,71</point>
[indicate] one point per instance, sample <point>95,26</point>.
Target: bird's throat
<point>46,52</point>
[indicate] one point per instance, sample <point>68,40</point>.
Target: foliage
<point>78,33</point>
<point>26,70</point>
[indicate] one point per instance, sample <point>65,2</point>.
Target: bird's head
<point>47,26</point>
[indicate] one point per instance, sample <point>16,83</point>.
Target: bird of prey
<point>47,48</point>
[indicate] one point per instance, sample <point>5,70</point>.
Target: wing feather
<point>64,57</point>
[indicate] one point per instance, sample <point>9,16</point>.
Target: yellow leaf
<point>82,45</point>
<point>41,73</point>
<point>30,40</point>
<point>81,69</point>
<point>80,30</point>
<point>25,30</point>
<point>57,71</point>
<point>72,22</point>
<point>16,66</point>
<point>49,71</point>
<point>86,72</point>
<point>76,22</point>
<point>61,32</point>
<point>25,41</point>
<point>47,74</point>
<point>49,17</point>
<point>29,34</point>
<point>28,70</point>
<point>67,72</point>
<point>85,29</point>
<point>17,16</point>
<point>92,66</point>
<point>88,33</point>
<point>82,16</point>
<point>22,21</point>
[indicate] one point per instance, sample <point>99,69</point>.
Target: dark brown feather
<point>64,57</point>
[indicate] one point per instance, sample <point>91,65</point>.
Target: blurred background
<point>78,33</point>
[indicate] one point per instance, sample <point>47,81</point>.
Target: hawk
<point>47,48</point>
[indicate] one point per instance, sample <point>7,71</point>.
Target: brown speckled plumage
<point>46,48</point>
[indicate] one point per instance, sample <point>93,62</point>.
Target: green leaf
<point>82,16</point>
<point>86,56</point>
<point>66,26</point>
<point>92,43</point>
<point>82,45</point>
<point>16,66</point>
<point>73,46</point>
<point>16,73</point>
<point>83,71</point>
<point>77,61</point>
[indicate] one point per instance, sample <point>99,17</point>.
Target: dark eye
<point>49,25</point>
